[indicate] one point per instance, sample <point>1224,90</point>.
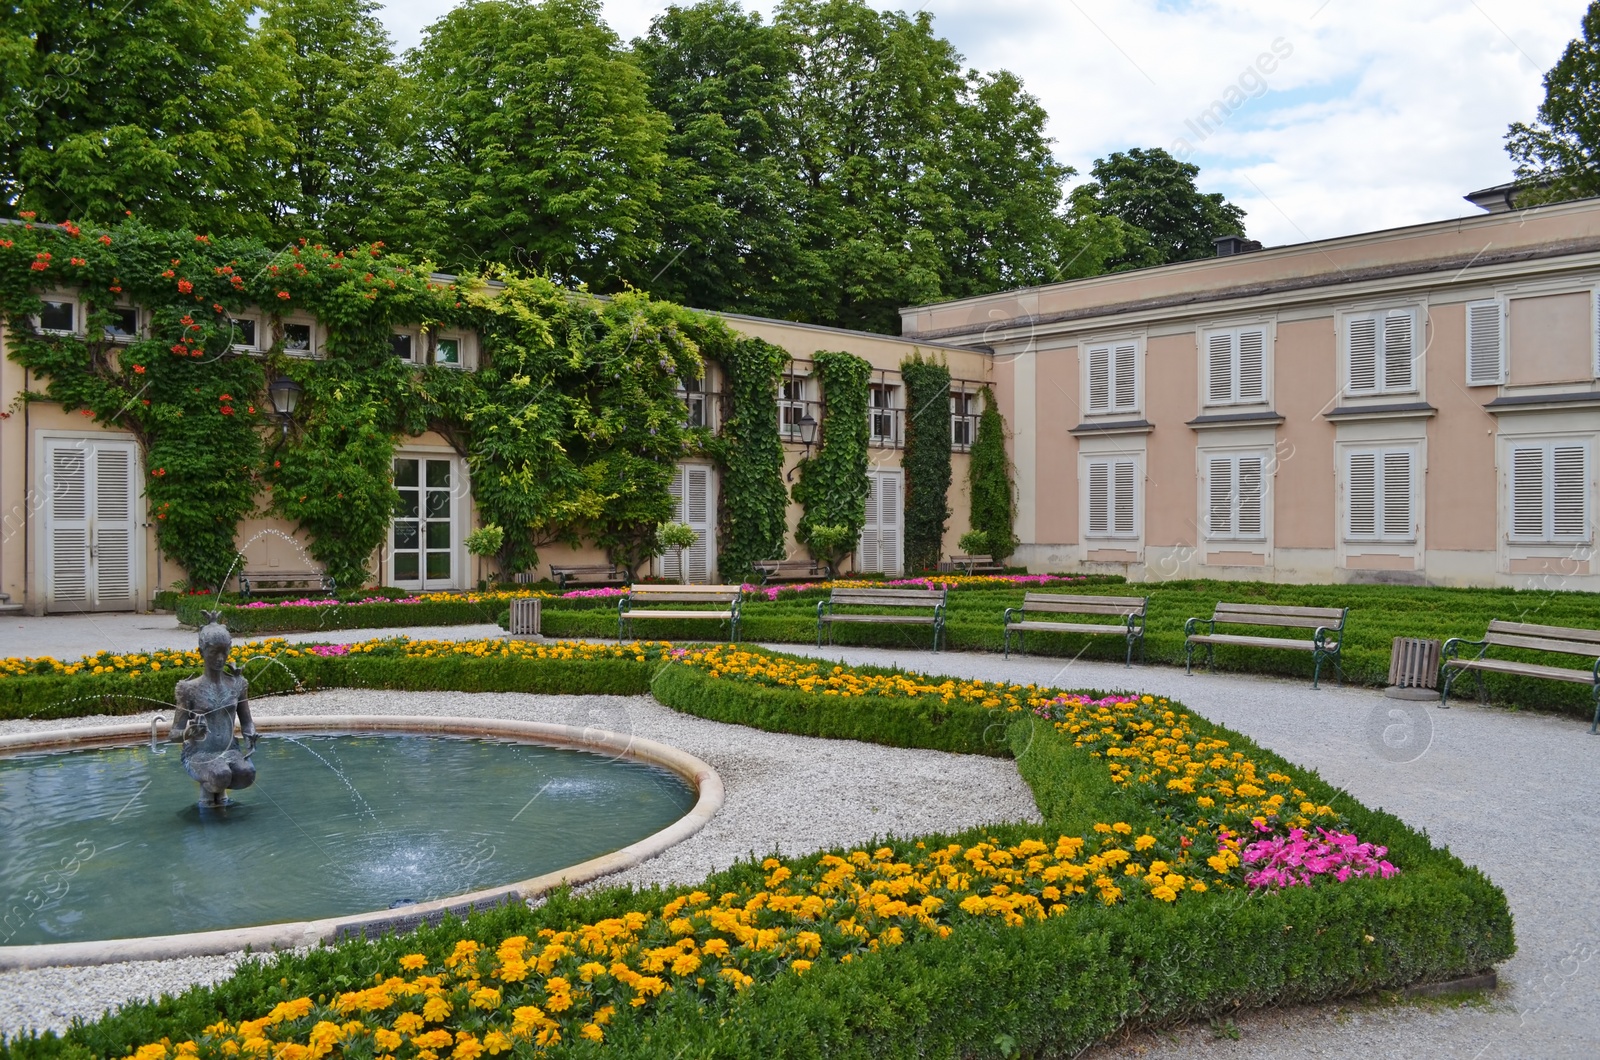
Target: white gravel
<point>789,794</point>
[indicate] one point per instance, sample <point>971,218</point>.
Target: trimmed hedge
<point>1047,987</point>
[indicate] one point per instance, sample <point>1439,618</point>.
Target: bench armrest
<point>824,607</point>
<point>1192,624</point>
<point>1453,646</point>
<point>1319,636</point>
<point>1136,623</point>
<point>1009,612</point>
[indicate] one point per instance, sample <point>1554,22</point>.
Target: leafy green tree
<point>1153,192</point>
<point>1559,154</point>
<point>538,148</point>
<point>151,106</point>
<point>340,110</point>
<point>992,501</point>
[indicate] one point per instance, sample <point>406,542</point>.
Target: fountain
<point>207,708</point>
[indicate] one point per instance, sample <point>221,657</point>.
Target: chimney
<point>1228,246</point>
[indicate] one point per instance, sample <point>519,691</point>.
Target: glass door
<point>423,540</point>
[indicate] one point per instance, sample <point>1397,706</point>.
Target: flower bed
<point>1126,906</point>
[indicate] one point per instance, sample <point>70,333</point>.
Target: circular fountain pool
<point>109,843</point>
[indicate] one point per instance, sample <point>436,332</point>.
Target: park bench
<point>1322,621</point>
<point>1128,610</point>
<point>1555,639</point>
<point>641,600</point>
<point>930,600</point>
<point>589,574</point>
<point>790,570</point>
<point>973,565</point>
<point>259,582</point>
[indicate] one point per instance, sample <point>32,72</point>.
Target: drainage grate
<point>1414,663</point>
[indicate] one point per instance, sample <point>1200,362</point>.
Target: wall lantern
<point>285,395</point>
<point>808,436</point>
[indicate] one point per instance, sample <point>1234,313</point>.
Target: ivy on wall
<point>571,427</point>
<point>832,487</point>
<point>926,460</point>
<point>989,481</point>
<point>753,497</point>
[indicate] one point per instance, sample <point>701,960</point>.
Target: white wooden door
<point>879,551</point>
<point>91,525</point>
<point>692,496</point>
<point>424,539</point>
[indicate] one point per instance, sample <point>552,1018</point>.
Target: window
<point>1380,352</point>
<point>1486,344</point>
<point>297,340</point>
<point>1236,366</point>
<point>963,419</point>
<point>58,316</point>
<point>244,334</point>
<point>447,352</point>
<point>1113,506</point>
<point>1379,492</point>
<point>124,325</point>
<point>883,417</point>
<point>791,406</point>
<point>694,398</point>
<point>1113,386</point>
<point>1235,488</point>
<point>403,347</point>
<point>1550,492</point>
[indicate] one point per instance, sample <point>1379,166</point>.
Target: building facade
<point>1413,405</point>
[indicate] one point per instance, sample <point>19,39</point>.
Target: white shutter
<point>67,526</point>
<point>1596,321</point>
<point>1127,362</point>
<point>1569,493</point>
<point>1250,522</point>
<point>889,523</point>
<point>1362,494</point>
<point>112,554</point>
<point>671,560</point>
<point>1397,492</point>
<point>1363,355</point>
<point>1485,344</point>
<point>868,555</point>
<point>1252,369</point>
<point>697,513</point>
<point>1527,492</point>
<point>1220,494</point>
<point>1099,498</point>
<point>1123,513</point>
<point>1399,350</point>
<point>1219,367</point>
<point>1100,379</point>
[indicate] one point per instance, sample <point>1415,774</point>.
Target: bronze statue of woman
<point>207,707</point>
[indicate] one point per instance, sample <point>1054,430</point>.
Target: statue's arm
<point>247,724</point>
<point>181,715</point>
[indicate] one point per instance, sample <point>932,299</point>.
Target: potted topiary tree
<point>675,537</point>
<point>484,542</point>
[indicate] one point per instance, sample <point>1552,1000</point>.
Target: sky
<point>1336,116</point>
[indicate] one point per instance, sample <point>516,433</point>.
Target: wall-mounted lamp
<point>808,436</point>
<point>285,395</point>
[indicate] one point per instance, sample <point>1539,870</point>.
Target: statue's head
<point>214,635</point>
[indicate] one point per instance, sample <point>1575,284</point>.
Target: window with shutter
<point>1235,497</point>
<point>1550,492</point>
<point>1099,498</point>
<point>1252,364</point>
<point>1220,490</point>
<point>1219,360</point>
<point>1123,507</point>
<point>1486,362</point>
<point>1379,487</point>
<point>1236,366</point>
<point>90,525</point>
<point>1113,498</point>
<point>1100,379</point>
<point>1398,352</point>
<point>1127,391</point>
<point>1251,519</point>
<point>1363,354</point>
<point>1380,352</point>
<point>691,496</point>
<point>1113,378</point>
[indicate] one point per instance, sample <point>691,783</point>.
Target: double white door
<point>91,524</point>
<point>424,539</point>
<point>694,502</point>
<point>880,549</point>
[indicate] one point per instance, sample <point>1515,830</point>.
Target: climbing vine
<point>989,482</point>
<point>926,460</point>
<point>754,499</point>
<point>833,484</point>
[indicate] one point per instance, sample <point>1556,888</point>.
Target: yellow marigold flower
<point>1144,842</point>
<point>386,1040</point>
<point>800,967</point>
<point>715,948</point>
<point>1165,893</point>
<point>413,961</point>
<point>408,1023</point>
<point>486,998</point>
<point>436,1010</point>
<point>1122,828</point>
<point>592,1032</point>
<point>434,1039</point>
<point>687,964</point>
<point>468,1047</point>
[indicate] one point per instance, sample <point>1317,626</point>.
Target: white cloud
<point>1385,113</point>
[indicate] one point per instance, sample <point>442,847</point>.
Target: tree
<point>989,482</point>
<point>339,112</point>
<point>1559,154</point>
<point>539,147</point>
<point>153,106</point>
<point>1151,191</point>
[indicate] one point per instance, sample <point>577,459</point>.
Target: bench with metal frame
<point>791,570</point>
<point>1555,639</point>
<point>589,574</point>
<point>257,582</point>
<point>931,600</point>
<point>1129,609</point>
<point>1322,621</point>
<point>639,603</point>
<point>973,565</point>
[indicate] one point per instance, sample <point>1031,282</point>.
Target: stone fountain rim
<point>309,933</point>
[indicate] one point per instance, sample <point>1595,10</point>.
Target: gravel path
<point>789,794</point>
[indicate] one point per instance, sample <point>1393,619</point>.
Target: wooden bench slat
<point>1274,609</point>
<point>899,620</point>
<point>1135,602</point>
<point>1506,666</point>
<point>1285,621</point>
<point>1528,629</point>
<point>1566,647</point>
<point>1071,627</point>
<point>1258,642</point>
<point>653,613</point>
<point>1082,609</point>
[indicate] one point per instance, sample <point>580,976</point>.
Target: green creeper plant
<point>989,482</point>
<point>753,517</point>
<point>832,487</point>
<point>926,460</point>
